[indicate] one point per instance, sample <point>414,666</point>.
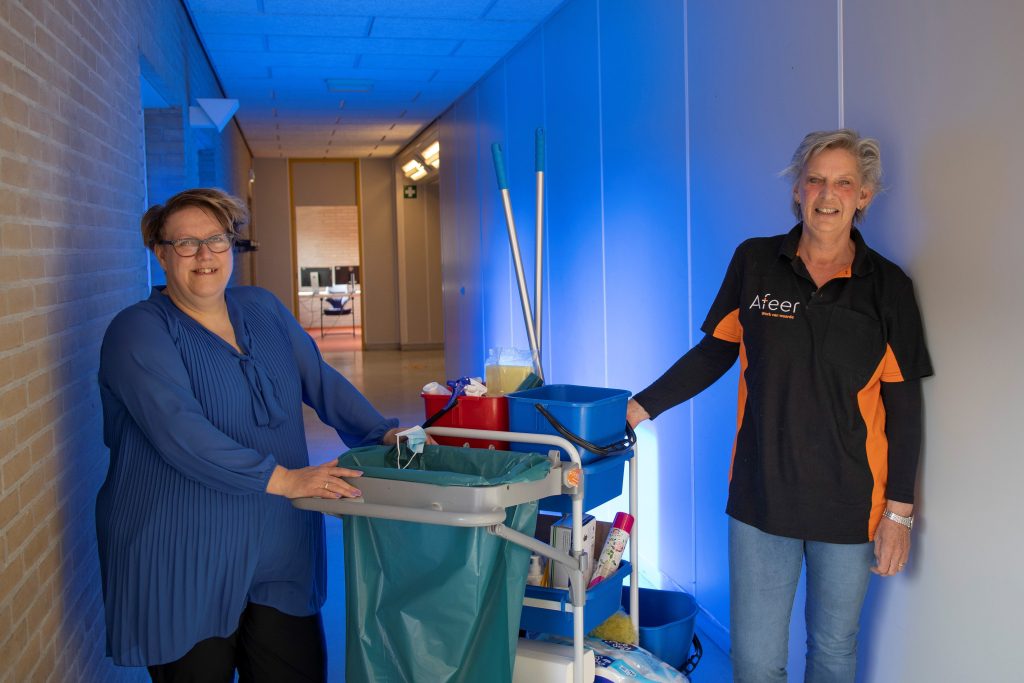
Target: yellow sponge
<point>618,628</point>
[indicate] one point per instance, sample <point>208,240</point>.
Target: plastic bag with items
<point>622,663</point>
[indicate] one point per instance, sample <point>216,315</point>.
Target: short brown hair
<point>226,209</point>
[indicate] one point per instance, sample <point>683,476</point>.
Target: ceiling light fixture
<point>414,170</point>
<point>432,154</point>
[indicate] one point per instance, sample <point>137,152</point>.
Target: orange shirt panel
<point>869,399</point>
<point>730,329</point>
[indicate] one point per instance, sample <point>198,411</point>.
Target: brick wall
<point>72,188</point>
<point>327,236</point>
<point>166,173</point>
<point>166,169</point>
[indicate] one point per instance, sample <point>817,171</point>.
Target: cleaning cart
<point>485,507</point>
<point>575,479</point>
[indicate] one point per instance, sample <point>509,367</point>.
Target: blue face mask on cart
<point>414,438</point>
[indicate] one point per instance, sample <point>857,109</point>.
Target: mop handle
<point>513,239</point>
<point>499,166</point>
<point>539,152</point>
<point>538,287</point>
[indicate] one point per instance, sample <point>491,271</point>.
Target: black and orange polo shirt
<point>810,458</point>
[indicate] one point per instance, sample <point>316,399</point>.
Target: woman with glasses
<point>206,565</point>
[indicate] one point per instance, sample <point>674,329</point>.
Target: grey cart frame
<point>484,506</point>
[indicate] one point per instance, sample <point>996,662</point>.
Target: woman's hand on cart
<point>321,481</point>
<point>635,413</point>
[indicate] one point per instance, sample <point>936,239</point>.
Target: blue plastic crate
<point>556,614</point>
<point>595,414</point>
<point>666,623</point>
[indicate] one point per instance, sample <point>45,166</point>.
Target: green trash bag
<point>436,604</point>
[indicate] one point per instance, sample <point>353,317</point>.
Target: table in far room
<point>345,292</point>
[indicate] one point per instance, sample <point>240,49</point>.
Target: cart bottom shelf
<point>549,610</point>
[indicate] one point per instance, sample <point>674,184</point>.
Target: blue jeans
<point>763,574</point>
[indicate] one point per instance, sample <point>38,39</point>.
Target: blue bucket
<point>666,623</point>
<point>595,414</point>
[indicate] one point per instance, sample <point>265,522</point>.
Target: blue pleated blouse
<point>187,534</point>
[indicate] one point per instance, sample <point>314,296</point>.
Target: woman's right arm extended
<point>698,369</point>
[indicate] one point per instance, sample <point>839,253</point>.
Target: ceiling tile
<point>223,6</point>
<point>352,27</point>
<point>523,10</point>
<point>277,56</point>
<point>344,71</point>
<point>367,46</point>
<point>242,69</point>
<point>479,64</point>
<point>233,42</point>
<point>465,77</point>
<point>286,59</point>
<point>442,9</point>
<point>388,27</point>
<point>485,48</point>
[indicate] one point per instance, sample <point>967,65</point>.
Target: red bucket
<point>470,412</point>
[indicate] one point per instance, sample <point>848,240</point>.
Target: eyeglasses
<point>189,246</point>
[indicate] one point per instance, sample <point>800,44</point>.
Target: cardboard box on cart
<point>547,520</point>
<point>549,610</point>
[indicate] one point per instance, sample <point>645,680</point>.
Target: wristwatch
<point>899,519</point>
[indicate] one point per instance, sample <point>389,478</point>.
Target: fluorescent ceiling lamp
<point>415,170</point>
<point>432,154</point>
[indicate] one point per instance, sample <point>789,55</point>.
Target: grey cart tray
<point>408,501</point>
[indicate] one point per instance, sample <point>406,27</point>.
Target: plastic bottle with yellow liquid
<point>506,369</point>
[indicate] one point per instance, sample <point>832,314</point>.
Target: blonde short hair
<point>865,150</point>
<point>228,210</point>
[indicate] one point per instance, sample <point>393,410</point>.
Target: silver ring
<point>325,486</point>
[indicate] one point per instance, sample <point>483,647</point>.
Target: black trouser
<point>269,646</point>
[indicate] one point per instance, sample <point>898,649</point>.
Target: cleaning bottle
<point>536,575</point>
<point>611,555</point>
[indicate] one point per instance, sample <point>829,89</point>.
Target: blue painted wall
<point>652,181</point>
<point>607,85</point>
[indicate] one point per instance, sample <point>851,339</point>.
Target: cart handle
<point>624,444</point>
